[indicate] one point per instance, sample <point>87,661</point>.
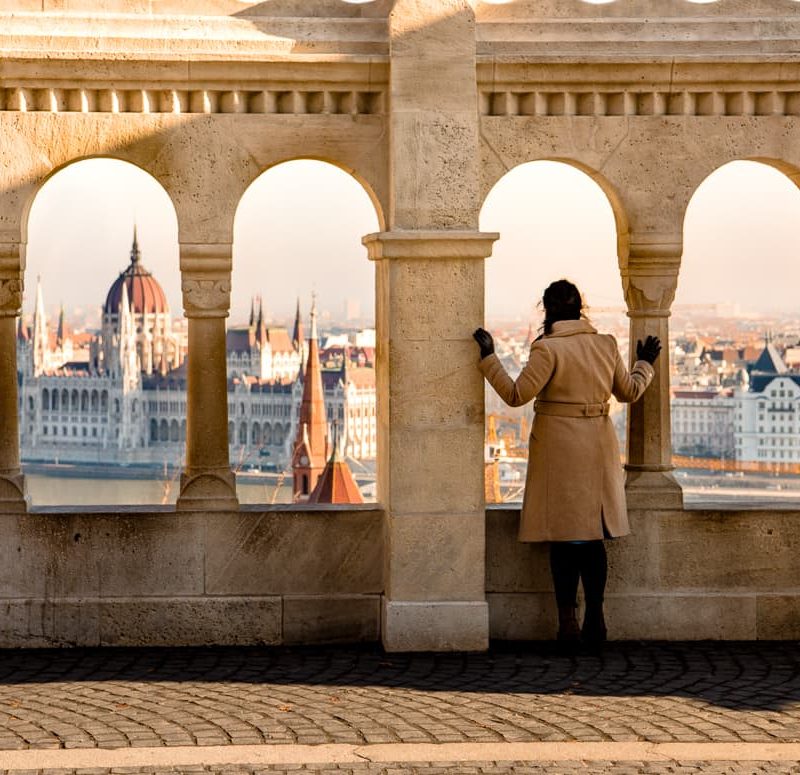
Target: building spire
<point>61,330</point>
<point>297,334</point>
<point>311,442</point>
<point>252,311</point>
<point>41,345</point>
<point>135,252</point>
<point>314,316</point>
<point>261,326</point>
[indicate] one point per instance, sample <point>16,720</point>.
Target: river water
<point>73,491</point>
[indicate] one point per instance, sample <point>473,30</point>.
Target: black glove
<point>485,342</point>
<point>649,350</point>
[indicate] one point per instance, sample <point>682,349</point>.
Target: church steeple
<point>311,442</point>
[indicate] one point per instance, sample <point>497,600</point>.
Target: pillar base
<point>208,490</point>
<point>435,626</point>
<point>653,490</point>
<point>13,494</point>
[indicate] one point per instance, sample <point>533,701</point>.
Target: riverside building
<point>120,398</point>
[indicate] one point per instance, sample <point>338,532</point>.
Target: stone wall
<point>140,577</point>
<point>427,103</point>
<point>680,575</point>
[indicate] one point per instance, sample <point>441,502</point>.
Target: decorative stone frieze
<point>145,100</point>
<point>549,102</point>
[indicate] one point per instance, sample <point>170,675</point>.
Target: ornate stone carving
<point>206,296</point>
<point>650,276</point>
<point>10,296</point>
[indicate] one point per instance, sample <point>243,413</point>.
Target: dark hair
<point>562,301</point>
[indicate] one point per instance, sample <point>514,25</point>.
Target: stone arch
<point>46,399</point>
<point>328,166</point>
<point>174,431</point>
<point>32,191</point>
<point>74,401</point>
<point>360,178</point>
<point>153,429</point>
<point>511,207</point>
<point>620,213</point>
<point>95,401</point>
<point>163,431</point>
<point>789,170</point>
<point>84,400</point>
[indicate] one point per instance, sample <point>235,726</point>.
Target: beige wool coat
<point>575,480</point>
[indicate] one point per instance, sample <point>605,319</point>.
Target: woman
<point>574,493</point>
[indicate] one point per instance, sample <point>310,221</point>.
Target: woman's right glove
<point>485,342</point>
<point>649,350</point>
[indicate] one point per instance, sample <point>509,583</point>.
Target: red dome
<point>145,294</point>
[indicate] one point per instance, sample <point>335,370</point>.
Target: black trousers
<point>574,562</point>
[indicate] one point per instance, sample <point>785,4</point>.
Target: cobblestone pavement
<point>110,698</point>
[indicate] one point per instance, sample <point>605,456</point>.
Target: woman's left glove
<point>649,350</point>
<point>485,342</point>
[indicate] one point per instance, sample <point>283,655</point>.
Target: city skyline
<point>310,209</point>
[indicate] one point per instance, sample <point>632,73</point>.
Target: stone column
<point>649,281</point>
<point>429,274</point>
<point>13,497</point>
<point>431,440</point>
<point>207,483</point>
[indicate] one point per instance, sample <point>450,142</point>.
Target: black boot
<point>569,632</point>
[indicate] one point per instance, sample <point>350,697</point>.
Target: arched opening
<point>102,239</point>
<point>174,432</point>
<point>297,245</point>
<point>555,221</point>
<point>735,378</point>
<point>46,400</point>
<point>153,430</point>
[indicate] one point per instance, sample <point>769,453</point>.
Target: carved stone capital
<point>430,244</point>
<point>10,296</point>
<point>11,279</point>
<point>650,276</point>
<point>206,280</point>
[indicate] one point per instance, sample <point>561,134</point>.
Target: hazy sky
<point>299,229</point>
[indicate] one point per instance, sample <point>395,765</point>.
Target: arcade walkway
<point>654,708</point>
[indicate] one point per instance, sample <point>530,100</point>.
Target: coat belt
<point>563,409</point>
